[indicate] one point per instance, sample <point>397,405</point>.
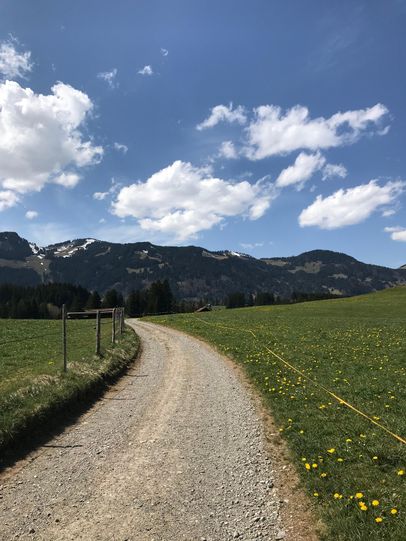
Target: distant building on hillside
<point>205,308</point>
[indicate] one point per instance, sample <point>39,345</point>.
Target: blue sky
<point>268,127</point>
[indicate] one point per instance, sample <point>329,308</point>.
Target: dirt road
<point>174,452</point>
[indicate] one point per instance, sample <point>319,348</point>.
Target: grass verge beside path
<point>34,391</point>
<point>354,470</point>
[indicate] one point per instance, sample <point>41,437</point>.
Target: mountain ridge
<point>193,271</point>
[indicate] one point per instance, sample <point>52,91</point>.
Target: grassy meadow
<point>353,469</point>
<point>32,382</point>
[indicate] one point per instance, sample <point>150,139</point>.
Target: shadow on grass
<point>53,421</point>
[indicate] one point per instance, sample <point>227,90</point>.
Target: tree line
<point>264,298</point>
<point>45,301</point>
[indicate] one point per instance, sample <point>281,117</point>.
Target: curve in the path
<point>175,452</point>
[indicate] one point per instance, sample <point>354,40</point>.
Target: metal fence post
<point>64,345</point>
<point>98,332</point>
<point>113,327</point>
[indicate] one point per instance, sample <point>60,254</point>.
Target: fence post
<point>64,348</point>
<point>122,320</point>
<point>113,326</point>
<point>98,332</point>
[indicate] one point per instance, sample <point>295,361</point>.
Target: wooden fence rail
<point>117,326</point>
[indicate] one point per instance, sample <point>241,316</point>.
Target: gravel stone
<point>175,441</point>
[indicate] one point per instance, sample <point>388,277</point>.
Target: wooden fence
<point>117,326</point>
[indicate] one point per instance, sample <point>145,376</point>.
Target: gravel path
<point>174,452</point>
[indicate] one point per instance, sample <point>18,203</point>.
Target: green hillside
<point>353,466</point>
<point>33,386</point>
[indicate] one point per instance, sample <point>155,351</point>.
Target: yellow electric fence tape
<point>319,385</point>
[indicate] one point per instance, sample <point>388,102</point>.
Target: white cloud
<point>68,180</point>
<point>121,147</point>
<point>397,233</point>
<point>304,168</point>
<point>273,132</point>
<point>115,186</point>
<point>222,113</point>
<point>334,170</point>
<point>181,200</point>
<point>251,246</point>
<point>8,199</point>
<point>386,213</point>
<point>109,77</point>
<point>40,137</point>
<point>146,70</point>
<point>31,214</point>
<point>12,63</point>
<point>227,150</point>
<point>164,52</point>
<point>100,196</point>
<point>352,206</point>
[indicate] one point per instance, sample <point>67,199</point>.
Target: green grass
<point>356,348</point>
<point>33,386</point>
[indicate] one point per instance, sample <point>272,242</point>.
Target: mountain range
<point>193,272</point>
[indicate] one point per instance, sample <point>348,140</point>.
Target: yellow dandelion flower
<point>323,474</point>
<point>340,460</point>
<point>338,496</point>
<point>359,495</point>
<point>378,519</point>
<point>348,440</point>
<point>331,451</point>
<point>394,511</point>
<point>374,458</point>
<point>375,503</point>
<point>315,466</point>
<point>401,472</point>
<point>307,466</point>
<point>316,494</point>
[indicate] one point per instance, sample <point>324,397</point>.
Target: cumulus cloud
<point>397,233</point>
<point>8,199</point>
<point>109,77</point>
<point>14,64</point>
<point>68,180</point>
<point>181,200</point>
<point>273,132</point>
<point>352,206</point>
<point>227,150</point>
<point>40,137</point>
<point>121,147</point>
<point>146,70</point>
<point>222,113</point>
<point>302,170</point>
<point>332,170</point>
<point>31,214</point>
<point>164,52</point>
